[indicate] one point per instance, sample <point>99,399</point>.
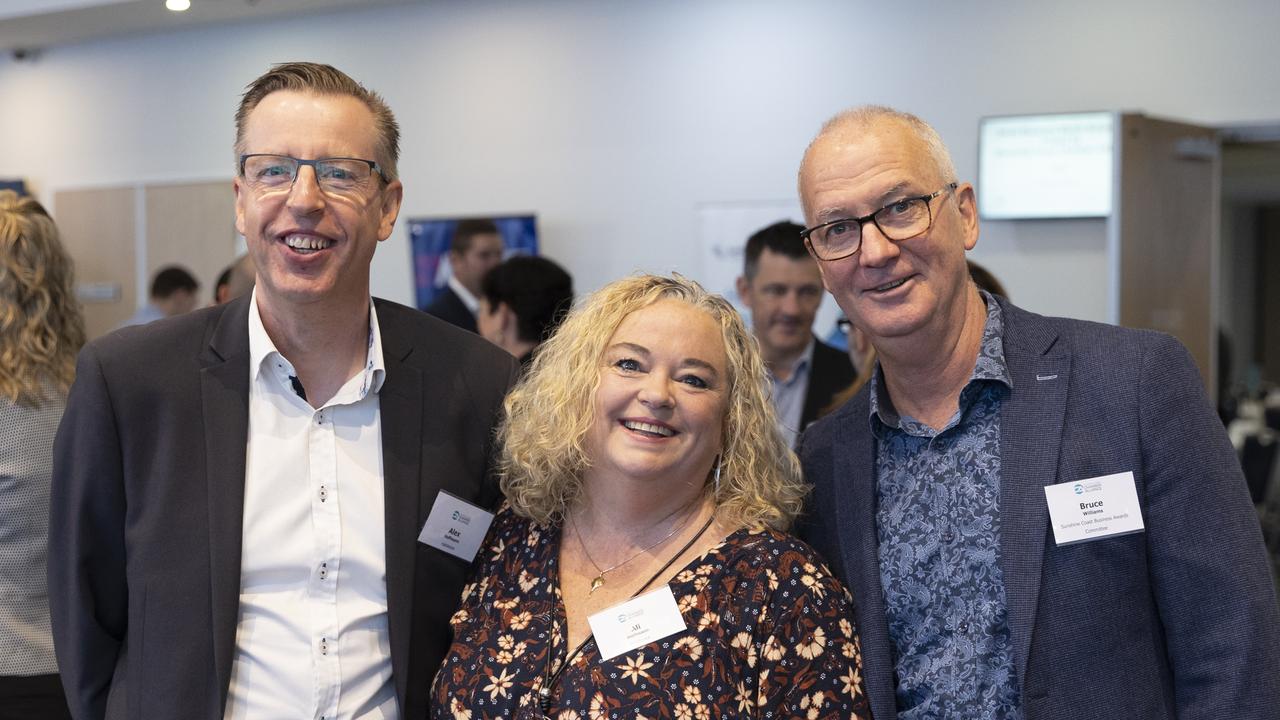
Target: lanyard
<point>549,682</point>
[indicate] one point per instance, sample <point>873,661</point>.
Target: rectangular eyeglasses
<point>899,220</point>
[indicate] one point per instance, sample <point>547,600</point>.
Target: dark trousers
<point>32,697</point>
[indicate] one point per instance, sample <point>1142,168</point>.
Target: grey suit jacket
<point>148,496</point>
<point>1179,621</point>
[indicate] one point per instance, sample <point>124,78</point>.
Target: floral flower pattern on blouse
<point>769,634</point>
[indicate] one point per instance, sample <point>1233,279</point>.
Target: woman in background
<point>641,457</point>
<point>41,330</point>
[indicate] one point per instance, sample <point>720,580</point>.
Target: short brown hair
<point>322,80</point>
<point>468,229</point>
<point>782,238</point>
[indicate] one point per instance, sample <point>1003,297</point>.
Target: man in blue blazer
<point>947,492</point>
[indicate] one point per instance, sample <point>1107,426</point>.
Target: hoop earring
<point>716,477</point>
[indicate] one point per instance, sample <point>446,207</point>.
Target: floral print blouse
<point>770,634</point>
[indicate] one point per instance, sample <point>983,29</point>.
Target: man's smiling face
<point>311,245</point>
<point>890,289</point>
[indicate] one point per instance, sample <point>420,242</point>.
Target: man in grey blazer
<point>1039,518</point>
<point>238,492</point>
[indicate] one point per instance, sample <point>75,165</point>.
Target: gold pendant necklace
<point>549,679</point>
<point>597,582</point>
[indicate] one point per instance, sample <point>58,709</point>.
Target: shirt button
<point>948,536</point>
<point>964,626</point>
<point>324,646</point>
<point>324,570</point>
<point>324,493</point>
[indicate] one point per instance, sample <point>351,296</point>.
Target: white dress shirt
<point>471,301</point>
<point>311,639</point>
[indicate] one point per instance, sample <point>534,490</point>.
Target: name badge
<point>636,622</point>
<point>1096,508</point>
<point>455,526</point>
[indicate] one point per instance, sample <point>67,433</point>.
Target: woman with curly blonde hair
<point>41,330</point>
<point>640,566</point>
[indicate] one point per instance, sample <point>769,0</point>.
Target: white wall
<point>615,120</point>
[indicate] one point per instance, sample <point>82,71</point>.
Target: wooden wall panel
<point>188,224</point>
<point>99,229</point>
<point>192,225</point>
<point>1169,207</point>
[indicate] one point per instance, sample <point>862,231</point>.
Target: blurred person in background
<point>41,330</point>
<point>782,287</point>
<point>174,291</point>
<point>522,302</point>
<point>236,280</point>
<point>220,286</point>
<point>476,248</point>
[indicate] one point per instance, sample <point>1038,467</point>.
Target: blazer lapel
<point>1031,421</point>
<point>400,403</point>
<point>224,394</point>
<point>855,480</point>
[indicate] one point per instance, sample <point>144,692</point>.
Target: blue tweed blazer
<point>1178,621</point>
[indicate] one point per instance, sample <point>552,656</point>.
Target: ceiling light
<point>177,5</point>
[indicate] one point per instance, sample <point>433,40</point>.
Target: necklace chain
<point>598,581</point>
<point>549,678</point>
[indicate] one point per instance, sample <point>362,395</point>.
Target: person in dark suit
<point>781,286</point>
<point>238,492</point>
<point>939,489</point>
<point>476,248</point>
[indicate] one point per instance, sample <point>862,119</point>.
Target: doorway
<point>1248,299</point>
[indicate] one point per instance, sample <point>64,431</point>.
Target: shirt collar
<point>799,367</point>
<point>471,301</point>
<point>262,350</point>
<point>990,366</point>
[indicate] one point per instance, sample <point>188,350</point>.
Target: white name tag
<point>636,622</point>
<point>1096,508</point>
<point>455,526</point>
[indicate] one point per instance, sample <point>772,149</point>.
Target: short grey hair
<point>865,116</point>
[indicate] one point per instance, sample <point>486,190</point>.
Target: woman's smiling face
<point>659,409</point>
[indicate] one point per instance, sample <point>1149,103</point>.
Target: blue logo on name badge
<point>1079,489</point>
<point>455,512</point>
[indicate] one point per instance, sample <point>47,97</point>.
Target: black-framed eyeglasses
<point>899,220</point>
<point>267,173</point>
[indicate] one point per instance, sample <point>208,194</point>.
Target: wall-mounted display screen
<point>1046,166</point>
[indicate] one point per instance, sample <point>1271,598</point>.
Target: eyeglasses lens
<point>278,172</point>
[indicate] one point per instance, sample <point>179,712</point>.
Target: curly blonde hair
<point>41,328</point>
<point>550,412</point>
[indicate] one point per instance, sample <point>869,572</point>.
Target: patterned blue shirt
<point>938,525</point>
